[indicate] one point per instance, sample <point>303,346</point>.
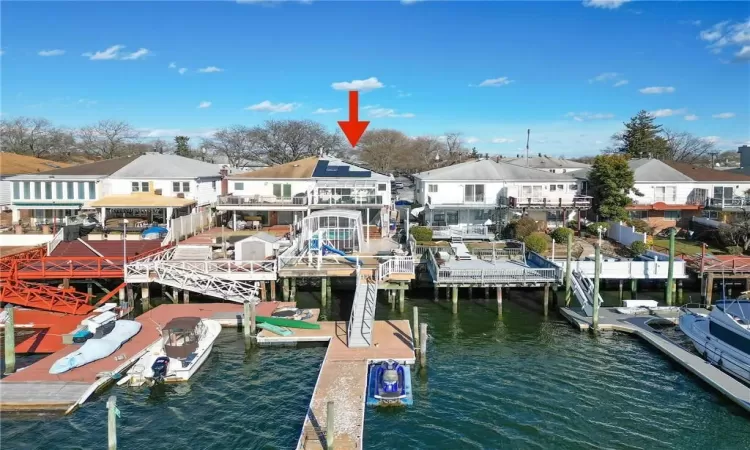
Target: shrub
<point>734,250</point>
<point>523,227</point>
<point>536,242</point>
<point>638,248</point>
<point>421,234</point>
<point>573,224</point>
<point>593,227</point>
<point>640,226</point>
<point>560,235</point>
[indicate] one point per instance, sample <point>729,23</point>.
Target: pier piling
<point>499,300</point>
<point>447,293</point>
<point>293,290</point>
<point>273,291</point>
<point>597,273</point>
<point>486,294</point>
<point>423,345</point>
<point>679,291</point>
<point>621,298</point>
<point>90,289</point>
<point>454,299</point>
<point>175,295</point>
<point>185,296</point>
<point>112,412</point>
<point>330,413</point>
<point>670,273</point>
<point>323,291</point>
<point>10,341</point>
<point>285,289</point>
<point>401,294</point>
<point>145,298</point>
<point>246,319</point>
<point>415,328</point>
<point>329,288</point>
<point>131,301</point>
<point>546,299</point>
<point>122,297</point>
<point>436,292</point>
<point>633,288</point>
<point>568,272</point>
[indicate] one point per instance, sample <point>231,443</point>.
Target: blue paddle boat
<point>389,384</point>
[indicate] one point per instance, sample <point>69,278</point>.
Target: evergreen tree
<point>641,136</point>
<point>182,146</point>
<point>474,153</point>
<point>610,182</point>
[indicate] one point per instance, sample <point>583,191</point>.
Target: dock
<point>610,319</point>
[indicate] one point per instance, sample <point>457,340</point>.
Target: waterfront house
<point>547,163</point>
<point>12,164</point>
<point>471,197</point>
<point>151,187</point>
<point>285,193</point>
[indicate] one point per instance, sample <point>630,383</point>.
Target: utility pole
<point>528,135</point>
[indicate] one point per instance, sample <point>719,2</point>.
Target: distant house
<point>153,187</point>
<point>245,166</point>
<point>12,164</point>
<point>283,194</point>
<point>547,163</point>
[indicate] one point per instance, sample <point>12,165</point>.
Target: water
<point>521,381</point>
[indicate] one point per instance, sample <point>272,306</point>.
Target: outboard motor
<point>159,368</point>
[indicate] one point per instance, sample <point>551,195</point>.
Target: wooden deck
<point>609,319</point>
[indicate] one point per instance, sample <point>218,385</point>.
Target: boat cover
<point>96,349</point>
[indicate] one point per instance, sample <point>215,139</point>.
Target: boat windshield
<point>739,310</point>
<point>390,376</point>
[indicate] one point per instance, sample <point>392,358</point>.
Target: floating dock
<point>610,319</point>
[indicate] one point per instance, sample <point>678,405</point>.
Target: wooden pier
<point>610,319</point>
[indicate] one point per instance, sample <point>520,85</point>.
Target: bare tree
<point>34,136</point>
<point>385,150</point>
<point>685,147</point>
<point>161,146</point>
<point>236,143</point>
<point>426,152</point>
<point>107,138</point>
<point>283,141</point>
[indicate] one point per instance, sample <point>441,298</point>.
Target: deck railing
<point>348,200</point>
<point>265,200</point>
<point>56,239</point>
<point>734,202</point>
<point>579,202</point>
<point>396,264</point>
<point>464,230</point>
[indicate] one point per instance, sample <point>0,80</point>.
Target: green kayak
<point>281,331</point>
<point>289,323</point>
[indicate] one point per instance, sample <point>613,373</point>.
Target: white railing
<point>489,276</point>
<point>465,230</point>
<point>363,313</point>
<point>191,224</point>
<point>734,202</point>
<point>255,200</point>
<point>412,243</point>
<point>52,245</point>
<point>583,288</point>
<point>169,237</point>
<point>493,254</point>
<point>289,256</point>
<point>397,264</point>
<point>620,270</point>
<point>578,201</point>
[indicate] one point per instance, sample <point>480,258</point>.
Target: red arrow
<point>353,128</point>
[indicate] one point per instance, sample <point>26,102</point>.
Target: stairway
<point>583,289</point>
<point>371,231</point>
<point>45,298</point>
<point>191,253</point>
<point>362,317</point>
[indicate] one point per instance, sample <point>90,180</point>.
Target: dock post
<point>285,289</point>
<point>293,290</point>
<point>112,412</point>
<point>323,290</point>
<point>415,329</point>
<point>329,287</point>
<point>670,273</point>
<point>633,288</point>
<point>131,301</point>
<point>447,293</point>
<point>401,293</point>
<point>621,298</point>
<point>10,341</point>
<point>454,299</point>
<point>122,297</point>
<point>393,299</point>
<point>709,289</point>
<point>679,291</point>
<point>175,295</point>
<point>90,289</point>
<point>423,346</point>
<point>273,290</point>
<point>436,290</point>
<point>597,273</point>
<point>145,299</point>
<point>246,319</point>
<point>185,296</point>
<point>487,294</point>
<point>66,283</point>
<point>263,297</point>
<point>471,293</point>
<point>568,271</point>
<point>546,299</point>
<point>330,412</point>
<point>499,300</point>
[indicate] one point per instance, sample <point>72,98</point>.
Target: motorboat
<point>389,384</point>
<point>723,336</point>
<point>107,339</point>
<point>184,346</point>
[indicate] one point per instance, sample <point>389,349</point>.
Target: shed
<point>255,247</point>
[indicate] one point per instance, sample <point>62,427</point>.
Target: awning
<point>141,200</point>
<point>48,205</point>
<point>661,206</point>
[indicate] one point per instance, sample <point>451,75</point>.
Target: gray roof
<point>263,236</point>
<point>546,162</point>
<point>154,165</point>
<point>490,170</point>
<point>223,159</point>
<point>648,170</point>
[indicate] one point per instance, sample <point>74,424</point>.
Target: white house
<point>470,196</point>
<point>12,164</point>
<point>151,187</point>
<point>283,194</point>
<point>547,163</point>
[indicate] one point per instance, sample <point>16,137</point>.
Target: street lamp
<point>601,230</point>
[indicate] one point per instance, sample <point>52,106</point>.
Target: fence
<point>397,264</point>
<point>190,225</point>
<point>24,240</point>
<point>621,270</point>
<point>624,234</point>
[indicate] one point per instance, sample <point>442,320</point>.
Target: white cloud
<point>584,116</point>
<point>495,82</point>
<point>2,52</point>
<point>667,112</point>
<point>472,140</point>
<point>404,94</point>
<point>657,90</point>
<point>502,140</point>
<point>138,54</point>
<point>724,115</point>
<point>86,102</point>
<point>690,22</point>
<point>605,4</point>
<point>621,83</point>
<point>726,34</point>
<point>609,77</point>
<point>210,69</point>
<point>158,133</point>
<point>55,52</point>
<point>326,111</point>
<point>711,139</point>
<point>743,54</point>
<point>389,113</point>
<point>182,70</point>
<point>204,105</point>
<point>110,53</point>
<point>714,33</point>
<point>267,106</point>
<point>358,85</point>
<point>172,65</point>
<point>410,2</point>
<point>691,117</point>
<point>370,106</point>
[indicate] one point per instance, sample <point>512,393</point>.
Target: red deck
<point>106,248</point>
<point>42,331</point>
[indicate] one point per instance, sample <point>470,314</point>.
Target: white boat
<point>723,336</point>
<point>184,346</point>
<point>98,347</point>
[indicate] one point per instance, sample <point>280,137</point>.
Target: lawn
<point>686,247</point>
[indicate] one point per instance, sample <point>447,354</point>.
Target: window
<point>175,186</point>
<point>239,186</point>
<point>59,190</point>
<point>431,188</point>
<point>92,190</point>
<point>135,186</point>
<point>556,187</point>
<point>213,185</point>
<point>672,215</point>
<point>144,186</point>
<point>665,194</point>
<point>48,190</point>
<point>71,190</point>
<point>573,187</point>
<point>714,215</point>
<point>480,215</point>
<point>638,215</point>
<point>381,187</point>
<point>81,190</point>
<point>16,190</point>
<point>37,190</point>
<point>26,190</point>
<point>285,190</point>
<point>474,193</point>
<point>723,192</point>
<point>185,186</point>
<point>531,192</point>
<point>180,186</point>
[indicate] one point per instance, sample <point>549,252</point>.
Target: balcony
<point>577,202</point>
<point>734,203</point>
<point>246,201</point>
<point>348,200</point>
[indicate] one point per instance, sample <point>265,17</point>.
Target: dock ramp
<point>359,332</point>
<point>583,288</point>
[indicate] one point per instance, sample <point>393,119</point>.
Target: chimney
<point>224,181</point>
<point>540,154</point>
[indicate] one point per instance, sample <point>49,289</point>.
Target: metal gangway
<point>583,289</point>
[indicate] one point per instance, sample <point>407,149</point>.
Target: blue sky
<point>570,71</point>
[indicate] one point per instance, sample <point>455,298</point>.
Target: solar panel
<point>325,170</point>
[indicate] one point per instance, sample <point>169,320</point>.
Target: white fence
<point>622,270</point>
<point>190,225</point>
<point>624,234</point>
<point>397,264</point>
<point>24,240</point>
